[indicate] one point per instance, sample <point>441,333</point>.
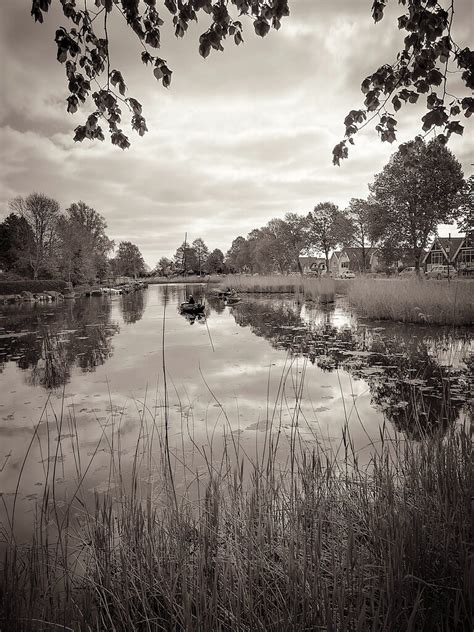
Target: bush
<point>34,286</point>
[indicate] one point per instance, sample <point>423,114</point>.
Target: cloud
<point>239,138</point>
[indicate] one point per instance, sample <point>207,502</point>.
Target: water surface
<point>84,379</point>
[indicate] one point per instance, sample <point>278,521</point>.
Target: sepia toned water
<point>83,380</point>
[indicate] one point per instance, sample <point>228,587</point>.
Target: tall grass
<point>322,289</point>
<point>322,544</point>
<point>192,278</point>
<point>414,301</point>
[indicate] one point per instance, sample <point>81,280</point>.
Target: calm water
<point>84,379</point>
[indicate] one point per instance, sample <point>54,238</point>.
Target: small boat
<point>233,300</point>
<point>191,308</point>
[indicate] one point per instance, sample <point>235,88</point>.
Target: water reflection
<point>47,342</point>
<point>409,370</point>
<point>132,306</point>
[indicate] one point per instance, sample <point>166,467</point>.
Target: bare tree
<point>42,214</point>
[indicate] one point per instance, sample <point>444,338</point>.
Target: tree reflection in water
<point>416,390</point>
<point>132,306</point>
<point>58,338</point>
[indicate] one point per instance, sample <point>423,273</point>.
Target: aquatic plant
<point>321,289</point>
<point>321,543</point>
<point>414,300</point>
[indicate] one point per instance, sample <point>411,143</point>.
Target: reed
<point>322,289</point>
<point>414,301</point>
<point>322,544</point>
<point>191,278</point>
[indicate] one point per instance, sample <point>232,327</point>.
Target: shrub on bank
<point>32,285</point>
<point>414,300</point>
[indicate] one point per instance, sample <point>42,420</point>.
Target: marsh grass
<point>414,301</point>
<point>321,543</point>
<point>192,278</point>
<point>320,289</point>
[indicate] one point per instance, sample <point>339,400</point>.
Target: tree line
<point>38,240</point>
<point>420,187</point>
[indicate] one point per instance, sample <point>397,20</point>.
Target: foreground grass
<point>322,289</point>
<point>414,301</point>
<point>323,545</point>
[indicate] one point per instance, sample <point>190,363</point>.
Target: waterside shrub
<point>34,286</point>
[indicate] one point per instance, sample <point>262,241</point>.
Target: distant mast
<point>184,252</point>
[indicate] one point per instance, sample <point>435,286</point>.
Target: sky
<point>239,138</point>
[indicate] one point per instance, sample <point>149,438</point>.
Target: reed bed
<point>414,301</point>
<point>191,278</point>
<point>323,544</point>
<point>321,289</point>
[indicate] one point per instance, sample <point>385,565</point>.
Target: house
<point>456,251</point>
<point>352,259</point>
<point>312,265</point>
<point>334,265</point>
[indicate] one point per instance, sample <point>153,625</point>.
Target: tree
<point>422,66</point>
<point>163,267</point>
<point>326,228</point>
<point>41,213</point>
<point>129,260</point>
<point>466,206</point>
<point>185,259</point>
<point>359,230</point>
<point>201,251</point>
<point>238,256</point>
<point>293,235</point>
<point>215,262</point>
<point>417,190</point>
<point>15,234</point>
<point>84,244</point>
<point>425,65</point>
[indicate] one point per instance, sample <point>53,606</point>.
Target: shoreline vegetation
<point>414,300</point>
<point>404,300</point>
<point>322,544</point>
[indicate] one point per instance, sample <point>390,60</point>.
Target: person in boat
<point>191,300</point>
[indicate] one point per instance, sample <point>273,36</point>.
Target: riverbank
<point>53,291</point>
<point>323,544</point>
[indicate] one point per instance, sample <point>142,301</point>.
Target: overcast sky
<point>239,138</point>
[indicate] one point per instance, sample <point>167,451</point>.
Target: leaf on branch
<point>118,138</point>
<point>147,58</point>
<point>261,27</point>
<point>80,133</point>
<point>467,105</point>
<point>171,6</point>
<point>454,127</point>
<point>158,73</point>
<point>117,79</point>
<point>339,152</point>
<point>135,105</point>
<point>377,10</point>
<point>434,118</point>
<point>72,103</point>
